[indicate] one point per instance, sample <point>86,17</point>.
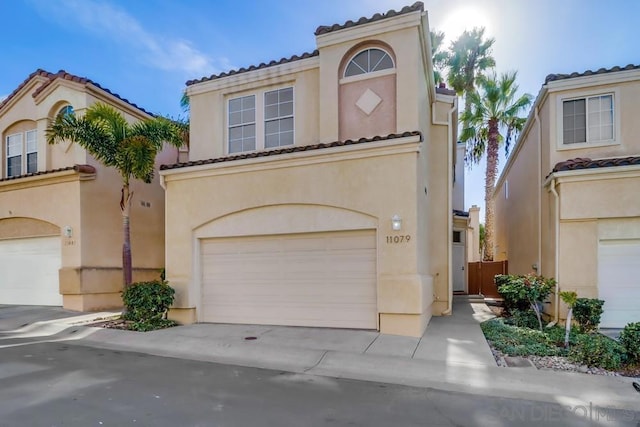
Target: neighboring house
<point>568,200</point>
<point>60,221</point>
<point>319,187</point>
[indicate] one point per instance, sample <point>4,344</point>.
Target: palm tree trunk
<point>125,206</point>
<point>490,180</point>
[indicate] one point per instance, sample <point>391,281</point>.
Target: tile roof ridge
<point>78,168</point>
<point>62,74</point>
<point>559,76</point>
<point>587,163</point>
<point>324,29</point>
<point>262,65</point>
<point>290,149</point>
<point>38,72</point>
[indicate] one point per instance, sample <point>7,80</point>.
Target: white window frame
<point>617,140</point>
<point>370,74</point>
<point>24,152</point>
<point>242,124</point>
<point>259,117</point>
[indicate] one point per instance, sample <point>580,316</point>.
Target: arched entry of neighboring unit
<point>30,257</point>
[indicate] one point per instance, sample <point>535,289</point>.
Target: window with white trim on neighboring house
<point>22,153</point>
<point>588,119</point>
<point>261,121</point>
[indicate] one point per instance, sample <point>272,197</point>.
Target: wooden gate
<point>481,276</point>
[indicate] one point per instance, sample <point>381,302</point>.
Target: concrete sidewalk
<point>452,355</point>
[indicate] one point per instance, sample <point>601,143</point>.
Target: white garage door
<point>619,282</point>
<point>29,271</point>
<point>310,279</point>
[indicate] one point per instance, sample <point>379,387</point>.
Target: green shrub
<point>515,341</point>
<point>147,302</point>
<point>630,340</point>
<point>511,290</point>
<point>597,350</point>
<point>523,319</point>
<point>524,292</point>
<point>557,334</point>
<point>587,312</point>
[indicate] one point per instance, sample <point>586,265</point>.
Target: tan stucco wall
<point>359,185</point>
<point>404,41</point>
<point>208,108</point>
<point>513,212</point>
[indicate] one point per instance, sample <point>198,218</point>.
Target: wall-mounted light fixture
<point>67,231</point>
<point>396,222</point>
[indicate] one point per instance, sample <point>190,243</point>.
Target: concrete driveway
<point>19,316</point>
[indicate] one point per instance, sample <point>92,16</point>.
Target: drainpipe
<point>450,146</point>
<point>539,126</point>
<point>556,315</point>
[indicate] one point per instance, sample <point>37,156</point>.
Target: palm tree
<point>129,148</point>
<point>439,57</point>
<point>495,108</point>
<point>469,57</point>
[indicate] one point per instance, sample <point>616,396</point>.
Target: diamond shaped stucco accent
<point>368,101</point>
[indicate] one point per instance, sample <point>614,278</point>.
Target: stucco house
<point>318,190</point>
<point>567,202</point>
<point>60,222</point>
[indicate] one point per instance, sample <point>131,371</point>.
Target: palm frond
<point>158,131</point>
<point>110,118</point>
<point>136,158</point>
<point>93,136</point>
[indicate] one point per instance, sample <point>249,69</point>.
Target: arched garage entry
<point>297,265</point>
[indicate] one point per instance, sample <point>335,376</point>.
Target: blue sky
<point>146,50</point>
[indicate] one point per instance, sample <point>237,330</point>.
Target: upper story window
<point>22,153</point>
<point>368,61</point>
<point>242,124</point>
<point>262,120</point>
<point>588,119</point>
<point>67,110</point>
<point>278,116</point>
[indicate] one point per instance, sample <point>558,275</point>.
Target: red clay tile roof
<point>66,76</point>
<point>586,163</point>
<point>254,67</point>
<point>290,149</point>
<point>77,168</point>
<point>324,29</point>
<point>554,77</point>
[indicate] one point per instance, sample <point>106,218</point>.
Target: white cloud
<point>109,21</point>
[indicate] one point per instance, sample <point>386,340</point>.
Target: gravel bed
<point>555,363</point>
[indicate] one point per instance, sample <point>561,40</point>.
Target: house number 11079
<point>398,239</point>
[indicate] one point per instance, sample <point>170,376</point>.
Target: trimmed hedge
<point>147,304</point>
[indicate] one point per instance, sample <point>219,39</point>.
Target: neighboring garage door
<point>619,282</point>
<point>310,279</point>
<point>29,271</point>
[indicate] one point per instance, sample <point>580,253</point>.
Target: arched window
<point>368,61</point>
<point>67,110</point>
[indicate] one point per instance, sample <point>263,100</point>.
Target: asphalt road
<point>61,384</point>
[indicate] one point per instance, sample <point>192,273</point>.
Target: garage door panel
<point>29,271</point>
<point>619,282</point>
<point>314,279</point>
